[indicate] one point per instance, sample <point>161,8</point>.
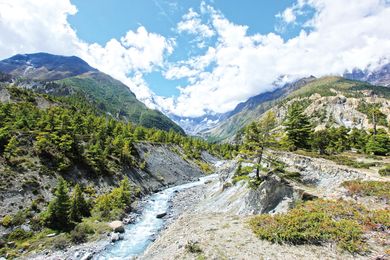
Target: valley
<point>87,171</point>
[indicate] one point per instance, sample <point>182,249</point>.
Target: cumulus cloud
<point>192,24</point>
<point>339,39</point>
<point>235,65</point>
<point>41,25</point>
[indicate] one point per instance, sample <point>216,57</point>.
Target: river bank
<point>172,201</point>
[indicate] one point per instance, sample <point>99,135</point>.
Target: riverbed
<point>139,235</point>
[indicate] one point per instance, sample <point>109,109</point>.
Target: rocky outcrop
<point>117,226</point>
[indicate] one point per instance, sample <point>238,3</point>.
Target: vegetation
<point>320,221</point>
<point>385,171</point>
<point>378,189</point>
<point>258,136</point>
<point>298,127</point>
<point>71,133</point>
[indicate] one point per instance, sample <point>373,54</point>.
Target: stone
<point>117,226</point>
<point>115,237</point>
<point>51,235</point>
<point>161,215</point>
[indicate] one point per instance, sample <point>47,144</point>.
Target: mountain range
<point>71,76</point>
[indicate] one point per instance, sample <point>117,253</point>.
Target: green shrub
<point>193,247</point>
<point>318,221</point>
<point>385,171</point>
<point>20,234</point>
<point>80,233</point>
<point>6,221</point>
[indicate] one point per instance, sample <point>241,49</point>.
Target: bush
<point>6,221</point>
<point>378,189</point>
<point>20,234</point>
<point>193,247</point>
<point>385,171</point>
<point>80,233</point>
<point>318,221</point>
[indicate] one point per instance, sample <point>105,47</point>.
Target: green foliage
<point>378,189</point>
<point>113,205</point>
<point>378,144</point>
<point>6,221</point>
<point>57,213</point>
<point>298,127</point>
<point>79,208</point>
<point>373,113</point>
<point>193,247</point>
<point>20,234</point>
<point>385,171</point>
<point>80,233</point>
<point>319,221</point>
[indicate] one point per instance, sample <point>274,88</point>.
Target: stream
<point>139,235</point>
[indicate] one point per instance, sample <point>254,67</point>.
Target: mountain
<point>379,76</point>
<point>328,100</point>
<point>249,110</point>
<point>195,125</point>
<point>71,76</point>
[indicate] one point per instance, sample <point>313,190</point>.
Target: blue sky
<point>100,20</point>
<point>193,58</point>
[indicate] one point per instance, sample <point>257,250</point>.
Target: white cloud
<point>191,23</point>
<point>235,67</point>
<point>41,25</point>
<point>287,15</point>
<point>340,38</point>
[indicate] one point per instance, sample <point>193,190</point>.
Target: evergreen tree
<point>321,141</point>
<point>258,136</point>
<point>378,144</point>
<point>79,208</point>
<point>298,127</point>
<point>57,214</point>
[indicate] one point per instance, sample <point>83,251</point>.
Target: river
<point>141,234</point>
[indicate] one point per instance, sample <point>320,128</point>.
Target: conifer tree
<point>79,208</point>
<point>298,127</point>
<point>258,136</point>
<point>57,215</point>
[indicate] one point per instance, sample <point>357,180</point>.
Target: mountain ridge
<point>70,75</point>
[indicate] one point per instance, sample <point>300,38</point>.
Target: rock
<point>161,215</point>
<point>77,255</point>
<point>117,226</point>
<point>115,237</point>
<point>87,256</point>
<point>51,235</point>
<point>208,181</point>
<point>121,237</point>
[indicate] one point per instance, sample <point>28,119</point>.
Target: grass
<point>193,247</point>
<point>321,221</point>
<point>378,189</point>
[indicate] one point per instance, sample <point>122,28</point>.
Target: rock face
<point>117,226</point>
<point>273,195</point>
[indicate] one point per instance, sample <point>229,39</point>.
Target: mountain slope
<point>380,76</point>
<point>250,110</point>
<point>71,76</point>
<point>331,100</point>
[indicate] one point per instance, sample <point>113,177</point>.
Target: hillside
<point>71,76</point>
<point>318,95</point>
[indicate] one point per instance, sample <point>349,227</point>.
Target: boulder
<point>87,256</point>
<point>51,235</point>
<point>161,215</point>
<point>115,237</point>
<point>117,226</point>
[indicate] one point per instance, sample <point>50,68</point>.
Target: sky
<point>194,58</point>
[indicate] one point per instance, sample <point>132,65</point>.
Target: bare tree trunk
<point>258,163</point>
<point>374,122</point>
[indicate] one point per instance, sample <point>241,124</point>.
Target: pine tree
<point>378,144</point>
<point>78,206</point>
<point>258,136</point>
<point>57,215</point>
<point>298,127</point>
